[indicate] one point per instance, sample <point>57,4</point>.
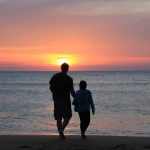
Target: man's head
<point>64,67</point>
<point>83,84</point>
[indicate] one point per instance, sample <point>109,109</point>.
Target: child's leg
<point>84,121</point>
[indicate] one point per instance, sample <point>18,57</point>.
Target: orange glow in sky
<point>86,34</point>
<point>58,59</point>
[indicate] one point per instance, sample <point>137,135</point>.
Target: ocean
<point>122,101</point>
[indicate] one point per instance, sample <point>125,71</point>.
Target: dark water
<point>122,101</point>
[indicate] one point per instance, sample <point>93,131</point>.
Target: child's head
<point>83,85</point>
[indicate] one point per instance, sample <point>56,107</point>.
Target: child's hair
<point>83,84</point>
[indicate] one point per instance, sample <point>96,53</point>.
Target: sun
<point>62,60</point>
<point>58,59</point>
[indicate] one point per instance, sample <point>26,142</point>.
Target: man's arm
<point>72,92</point>
<point>51,84</point>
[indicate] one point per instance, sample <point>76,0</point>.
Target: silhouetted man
<point>61,86</point>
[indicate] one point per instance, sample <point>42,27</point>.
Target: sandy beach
<point>73,142</point>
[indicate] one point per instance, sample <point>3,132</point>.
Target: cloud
<point>100,7</point>
<point>115,27</point>
<point>86,7</point>
<point>47,8</point>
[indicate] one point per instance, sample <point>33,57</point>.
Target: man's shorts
<point>62,111</point>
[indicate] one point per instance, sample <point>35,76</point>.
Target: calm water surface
<point>122,101</point>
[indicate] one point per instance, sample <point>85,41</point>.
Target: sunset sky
<point>89,34</point>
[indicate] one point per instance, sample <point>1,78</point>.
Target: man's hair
<point>65,67</point>
<point>83,84</point>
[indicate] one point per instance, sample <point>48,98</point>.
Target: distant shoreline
<point>76,71</point>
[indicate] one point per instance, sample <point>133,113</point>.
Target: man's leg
<point>65,123</point>
<point>66,116</point>
<point>60,129</point>
<point>63,126</point>
<point>59,125</point>
<point>58,118</point>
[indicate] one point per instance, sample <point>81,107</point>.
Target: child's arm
<point>92,104</point>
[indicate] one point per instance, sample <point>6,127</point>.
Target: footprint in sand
<point>124,147</point>
<point>121,147</point>
<point>25,146</point>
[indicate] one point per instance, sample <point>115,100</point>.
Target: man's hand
<point>93,112</point>
<point>73,92</point>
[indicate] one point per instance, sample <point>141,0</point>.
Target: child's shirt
<point>83,101</point>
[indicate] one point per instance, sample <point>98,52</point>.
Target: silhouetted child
<point>83,102</point>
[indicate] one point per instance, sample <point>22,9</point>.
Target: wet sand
<point>73,142</point>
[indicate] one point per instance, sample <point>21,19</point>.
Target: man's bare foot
<point>83,136</point>
<point>62,136</point>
